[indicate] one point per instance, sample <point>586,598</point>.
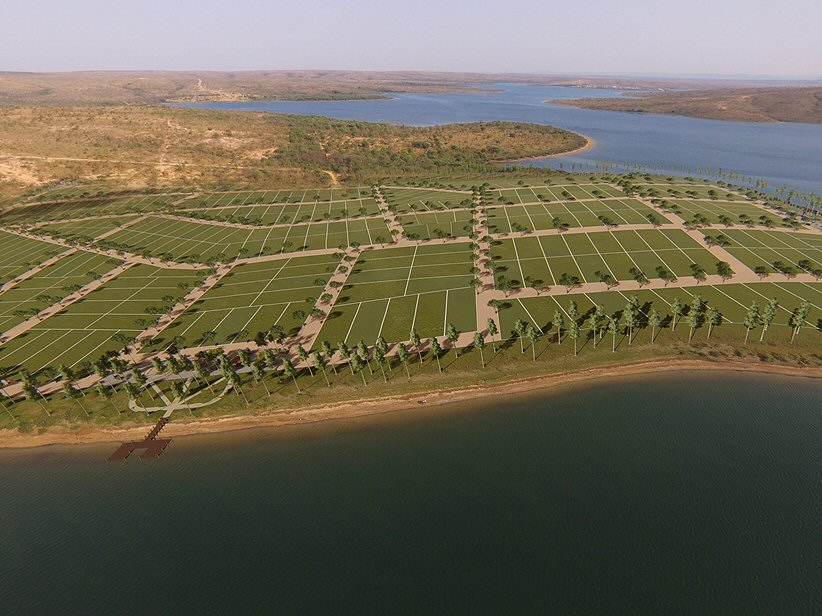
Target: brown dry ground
<point>142,146</point>
<point>158,86</point>
<point>745,105</point>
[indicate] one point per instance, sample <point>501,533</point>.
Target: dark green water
<point>679,494</point>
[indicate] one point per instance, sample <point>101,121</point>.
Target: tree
<point>357,365</point>
<point>677,310</point>
<point>714,320</point>
<point>697,272</point>
<point>403,355</point>
<point>245,357</point>
<point>258,372</point>
<point>416,341</point>
<point>362,351</point>
<point>768,316</point>
<point>72,393</point>
<point>601,315</point>
<point>319,362</point>
<point>303,355</point>
<point>629,319</point>
<point>492,331</point>
<point>329,353</point>
<point>798,318</point>
<point>452,334</point>
<point>533,335</point>
<point>479,344</point>
<point>574,333</point>
<point>613,329</point>
<point>568,281</point>
<point>381,361</point>
<point>596,321</point>
<point>751,318</point>
<point>436,349</point>
<point>345,353</point>
<point>290,370</point>
<point>520,327</point>
<point>655,321</point>
<point>724,270</point>
<point>695,315</point>
<point>559,323</point>
<point>664,274</point>
<point>105,394</point>
<point>639,276</point>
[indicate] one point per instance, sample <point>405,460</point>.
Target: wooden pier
<point>151,445</point>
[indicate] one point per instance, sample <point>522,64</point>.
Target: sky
<point>656,37</point>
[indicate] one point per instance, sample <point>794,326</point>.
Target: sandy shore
<point>11,439</point>
<point>590,143</point>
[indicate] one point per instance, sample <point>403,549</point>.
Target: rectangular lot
<point>755,247</point>
<point>88,229</point>
<point>405,200</point>
<point>293,196</point>
<point>20,254</point>
<point>554,193</point>
<point>582,255</point>
<point>712,210</point>
<point>195,241</point>
<point>278,214</point>
<point>251,298</point>
<point>732,300</point>
<point>391,291</point>
<point>51,285</point>
<point>436,224</point>
<point>84,330</point>
<point>540,216</point>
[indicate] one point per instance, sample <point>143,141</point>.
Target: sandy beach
<point>11,439</point>
<point>590,143</point>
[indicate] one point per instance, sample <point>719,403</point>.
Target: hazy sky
<point>754,37</point>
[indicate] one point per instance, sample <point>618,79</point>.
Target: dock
<point>152,446</point>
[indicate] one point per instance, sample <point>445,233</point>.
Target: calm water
<point>686,494</point>
<point>783,153</point>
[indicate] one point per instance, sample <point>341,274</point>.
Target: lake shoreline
<point>590,142</point>
<point>10,439</point>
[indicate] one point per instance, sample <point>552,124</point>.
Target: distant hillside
<point>745,105</point>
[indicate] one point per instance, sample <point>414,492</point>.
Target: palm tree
<point>520,327</point>
<point>179,388</point>
<point>357,366</point>
<point>362,351</point>
<point>751,319</point>
<point>436,349</point>
<point>345,353</point>
<point>236,383</point>
<point>105,393</point>
<point>655,321</point>
<point>602,316</point>
<point>695,315</point>
<point>533,335</point>
<point>492,331</point>
<point>403,355</point>
<point>258,372</point>
<point>452,334</point>
<point>303,355</point>
<point>416,341</point>
<point>72,393</point>
<point>319,362</point>
<point>768,316</point>
<point>382,346</point>
<point>329,353</point>
<point>677,309</point>
<point>714,319</point>
<point>573,334</point>
<point>289,370</point>
<point>613,329</point>
<point>479,343</point>
<point>559,323</point>
<point>798,318</point>
<point>381,361</point>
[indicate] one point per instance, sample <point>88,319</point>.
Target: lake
<point>681,493</point>
<point>783,153</point>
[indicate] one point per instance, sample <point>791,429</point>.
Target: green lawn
<point>51,285</point>
<point>392,290</point>
<point>181,240</point>
<point>20,254</point>
<point>83,331</point>
<point>764,248</point>
<point>615,253</point>
<point>252,298</point>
